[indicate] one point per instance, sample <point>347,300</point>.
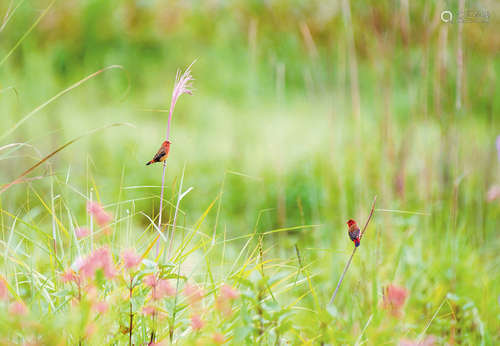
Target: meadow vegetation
<point>302,112</point>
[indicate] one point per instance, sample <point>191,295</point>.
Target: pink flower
<point>101,307</point>
<point>224,300</point>
<point>99,259</point>
<point>149,310</point>
<point>428,341</point>
<point>394,299</point>
<point>150,280</point>
<point>166,288</point>
<point>159,288</point>
<point>493,193</point>
<point>218,338</point>
<point>82,232</point>
<point>224,306</point>
<point>193,293</point>
<point>90,330</point>
<point>101,216</point>
<point>18,308</point>
<point>130,258</point>
<point>68,276</point>
<point>4,293</point>
<point>93,207</point>
<point>196,322</point>
<point>162,289</point>
<point>227,292</point>
<point>91,291</point>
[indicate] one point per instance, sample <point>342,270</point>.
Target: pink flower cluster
<point>149,310</point>
<point>130,258</point>
<point>218,338</point>
<point>82,232</point>
<point>228,292</point>
<point>69,275</point>
<point>4,294</point>
<point>196,322</point>
<point>16,308</point>
<point>428,341</point>
<point>224,301</point>
<point>493,193</point>
<point>101,307</point>
<point>193,293</point>
<point>159,288</point>
<point>99,259</point>
<point>102,217</point>
<point>394,299</point>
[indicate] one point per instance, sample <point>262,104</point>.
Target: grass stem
<point>353,252</point>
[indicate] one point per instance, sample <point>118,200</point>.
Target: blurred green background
<point>302,112</point>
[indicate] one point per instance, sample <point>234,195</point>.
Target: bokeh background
<point>302,112</point>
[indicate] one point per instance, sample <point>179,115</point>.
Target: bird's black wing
<point>354,234</point>
<point>159,156</point>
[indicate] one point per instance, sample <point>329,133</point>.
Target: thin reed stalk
<point>353,65</point>
<point>182,86</point>
<point>460,59</point>
<point>170,235</point>
<point>353,252</point>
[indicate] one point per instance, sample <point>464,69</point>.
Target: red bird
<point>162,153</point>
<point>354,231</point>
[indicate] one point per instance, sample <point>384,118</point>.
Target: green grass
<point>270,169</point>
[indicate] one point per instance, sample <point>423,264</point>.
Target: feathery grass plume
<point>182,86</point>
<point>353,251</point>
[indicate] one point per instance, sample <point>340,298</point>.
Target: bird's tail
<point>356,242</point>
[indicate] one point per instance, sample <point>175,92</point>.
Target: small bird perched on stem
<point>354,232</point>
<point>353,223</point>
<point>162,153</point>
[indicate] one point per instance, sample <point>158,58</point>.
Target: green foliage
<point>278,163</point>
